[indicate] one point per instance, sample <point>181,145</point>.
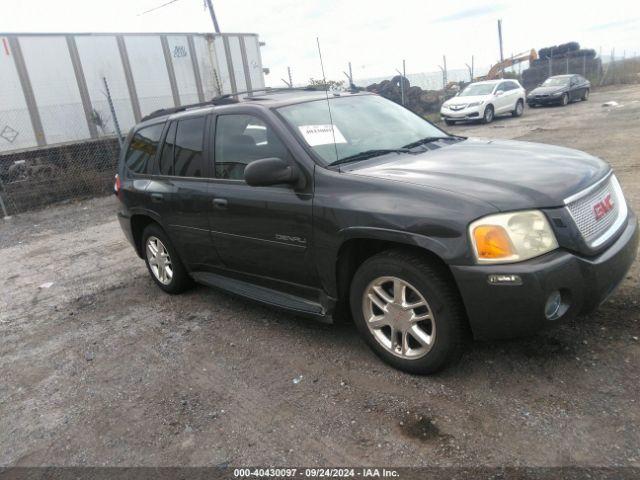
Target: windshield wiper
<point>369,154</point>
<point>424,140</point>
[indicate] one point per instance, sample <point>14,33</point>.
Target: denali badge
<point>288,238</point>
<point>603,207</point>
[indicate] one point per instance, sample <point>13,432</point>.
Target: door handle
<point>157,197</point>
<point>220,203</point>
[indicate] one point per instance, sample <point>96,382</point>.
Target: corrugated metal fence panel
<point>15,124</point>
<point>183,68</point>
<point>52,90</point>
<point>55,88</point>
<point>254,59</point>
<point>212,70</point>
<point>238,67</point>
<point>149,72</point>
<point>100,59</point>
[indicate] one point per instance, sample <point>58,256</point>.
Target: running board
<point>264,295</point>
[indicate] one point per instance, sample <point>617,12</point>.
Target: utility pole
<point>444,72</point>
<point>290,82</point>
<point>216,28</point>
<point>349,77</point>
<point>500,39</point>
<point>470,68</point>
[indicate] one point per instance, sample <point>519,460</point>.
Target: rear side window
<point>182,153</point>
<point>188,158</point>
<point>142,148</point>
<point>165,164</point>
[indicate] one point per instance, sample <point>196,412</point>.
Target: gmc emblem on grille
<point>603,207</point>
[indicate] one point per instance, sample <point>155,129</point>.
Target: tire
<point>178,280</point>
<point>585,95</point>
<point>450,122</point>
<point>564,100</point>
<point>489,114</point>
<point>519,110</point>
<point>425,280</point>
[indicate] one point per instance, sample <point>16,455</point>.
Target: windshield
<point>556,82</point>
<point>361,123</point>
<point>477,89</point>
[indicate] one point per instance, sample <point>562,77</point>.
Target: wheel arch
<point>140,221</point>
<point>358,245</point>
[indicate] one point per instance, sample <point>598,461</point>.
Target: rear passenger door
<point>182,188</point>
<point>264,232</point>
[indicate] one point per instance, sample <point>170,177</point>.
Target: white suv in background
<point>484,100</point>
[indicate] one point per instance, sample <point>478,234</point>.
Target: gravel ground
<point>102,368</point>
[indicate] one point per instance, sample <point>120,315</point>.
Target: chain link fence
<point>79,167</point>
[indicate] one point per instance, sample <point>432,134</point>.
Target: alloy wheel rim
<point>519,108</point>
<point>399,317</point>
<point>586,94</point>
<point>159,260</point>
<point>488,115</point>
<point>565,99</point>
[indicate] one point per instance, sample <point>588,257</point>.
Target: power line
<point>158,7</point>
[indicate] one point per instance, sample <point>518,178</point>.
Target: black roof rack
<point>227,98</point>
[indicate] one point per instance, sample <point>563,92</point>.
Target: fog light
<point>552,308</point>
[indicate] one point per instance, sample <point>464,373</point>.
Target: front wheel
<point>564,100</point>
<point>488,114</point>
<point>519,110</point>
<point>408,311</point>
<point>585,95</point>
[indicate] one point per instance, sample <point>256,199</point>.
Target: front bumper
<point>543,100</point>
<point>511,310</point>
<point>470,113</point>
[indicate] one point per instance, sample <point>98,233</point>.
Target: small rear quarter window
<point>142,148</point>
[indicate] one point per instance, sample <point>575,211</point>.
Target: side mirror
<point>270,171</point>
<point>499,92</point>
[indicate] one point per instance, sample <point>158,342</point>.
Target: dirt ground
<point>102,368</point>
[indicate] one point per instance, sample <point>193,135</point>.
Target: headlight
<point>474,104</point>
<point>511,237</point>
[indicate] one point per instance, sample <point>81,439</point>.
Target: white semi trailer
<point>52,89</point>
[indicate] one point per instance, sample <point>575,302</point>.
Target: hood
<point>465,100</point>
<point>507,174</point>
<point>548,90</point>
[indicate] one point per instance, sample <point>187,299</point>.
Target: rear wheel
<point>585,95</point>
<point>408,311</point>
<point>163,262</point>
<point>519,110</point>
<point>488,114</point>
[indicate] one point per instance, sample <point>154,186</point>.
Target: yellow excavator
<point>497,70</point>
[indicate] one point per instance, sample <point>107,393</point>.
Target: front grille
<point>596,218</point>
<point>457,107</point>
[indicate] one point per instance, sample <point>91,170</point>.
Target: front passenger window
<point>241,139</point>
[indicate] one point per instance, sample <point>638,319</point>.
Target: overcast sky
<point>374,35</point>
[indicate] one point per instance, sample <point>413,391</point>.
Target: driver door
<point>258,231</point>
<point>502,101</point>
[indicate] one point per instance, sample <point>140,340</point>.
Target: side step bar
<point>264,295</point>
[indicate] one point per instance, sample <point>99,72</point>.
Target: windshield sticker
<point>321,134</point>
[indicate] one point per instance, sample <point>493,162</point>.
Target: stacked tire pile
<point>560,60</point>
<point>422,102</point>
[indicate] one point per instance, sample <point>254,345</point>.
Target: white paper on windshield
<point>321,134</point>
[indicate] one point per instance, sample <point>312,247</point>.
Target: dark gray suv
<point>350,205</point>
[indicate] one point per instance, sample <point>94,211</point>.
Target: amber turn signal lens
<point>492,241</point>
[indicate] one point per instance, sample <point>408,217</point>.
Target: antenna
<point>326,92</point>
